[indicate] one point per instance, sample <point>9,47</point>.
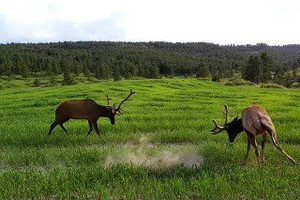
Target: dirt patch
<point>141,154</point>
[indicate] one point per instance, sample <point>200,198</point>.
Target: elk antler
<point>226,114</point>
<point>219,128</point>
<point>108,100</point>
<point>130,94</point>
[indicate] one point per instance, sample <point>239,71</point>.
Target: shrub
<point>37,83</point>
<point>238,81</point>
<point>215,78</point>
<point>271,85</point>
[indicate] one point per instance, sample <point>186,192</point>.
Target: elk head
<point>233,128</point>
<point>112,110</point>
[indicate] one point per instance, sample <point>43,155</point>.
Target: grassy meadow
<point>160,148</point>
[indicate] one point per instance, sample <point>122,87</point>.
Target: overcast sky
<point>219,21</point>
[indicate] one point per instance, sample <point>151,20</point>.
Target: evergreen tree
<point>116,73</point>
<point>68,79</point>
<point>153,71</point>
<point>86,72</point>
<point>52,78</point>
<point>202,71</point>
<point>279,75</point>
<point>252,71</point>
<point>266,68</point>
<point>24,71</point>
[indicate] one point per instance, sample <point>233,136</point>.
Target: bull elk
<point>86,109</point>
<point>255,120</point>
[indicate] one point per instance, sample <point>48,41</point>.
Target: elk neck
<point>234,128</point>
<point>103,111</point>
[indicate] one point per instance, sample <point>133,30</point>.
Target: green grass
<point>174,115</point>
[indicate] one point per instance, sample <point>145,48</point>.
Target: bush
<point>68,78</point>
<point>37,83</point>
<point>238,81</point>
<point>215,78</point>
<point>271,85</point>
<point>295,85</point>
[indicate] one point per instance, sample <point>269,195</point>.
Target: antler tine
<point>130,94</point>
<point>217,125</point>
<point>226,114</point>
<point>217,128</point>
<point>108,99</point>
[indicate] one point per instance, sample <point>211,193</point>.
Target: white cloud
<point>219,21</point>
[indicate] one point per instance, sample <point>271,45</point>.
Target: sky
<point>275,22</point>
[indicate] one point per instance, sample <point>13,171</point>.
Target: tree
<point>24,71</point>
<point>86,72</point>
<point>52,78</point>
<point>266,68</point>
<point>68,79</point>
<point>152,70</point>
<point>202,71</point>
<point>252,71</point>
<point>116,73</point>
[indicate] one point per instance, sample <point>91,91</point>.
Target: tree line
<point>116,60</point>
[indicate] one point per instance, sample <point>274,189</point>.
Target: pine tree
<point>266,68</point>
<point>202,71</point>
<point>252,71</point>
<point>116,73</point>
<point>24,71</point>
<point>52,78</point>
<point>68,79</point>
<point>86,72</point>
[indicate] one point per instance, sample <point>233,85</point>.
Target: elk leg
<point>91,127</point>
<point>253,142</point>
<point>96,128</point>
<point>62,126</point>
<point>248,149</point>
<point>273,136</point>
<point>263,142</point>
<point>53,125</point>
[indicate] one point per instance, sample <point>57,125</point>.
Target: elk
<point>86,109</point>
<point>255,120</point>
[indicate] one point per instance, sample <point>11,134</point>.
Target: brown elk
<point>255,120</point>
<point>86,109</point>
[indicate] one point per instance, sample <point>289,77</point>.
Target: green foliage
<point>37,83</point>
<point>68,79</point>
<point>149,60</point>
<point>116,73</point>
<point>267,66</point>
<point>215,78</point>
<point>271,85</point>
<point>235,81</point>
<point>202,72</point>
<point>252,71</point>
<point>103,72</point>
<point>52,78</point>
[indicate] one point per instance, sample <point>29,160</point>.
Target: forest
<point>117,60</point>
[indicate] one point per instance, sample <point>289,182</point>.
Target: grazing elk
<point>255,120</point>
<point>86,109</point>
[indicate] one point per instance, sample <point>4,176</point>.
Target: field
<point>160,148</point>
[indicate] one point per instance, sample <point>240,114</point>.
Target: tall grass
<point>174,114</point>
